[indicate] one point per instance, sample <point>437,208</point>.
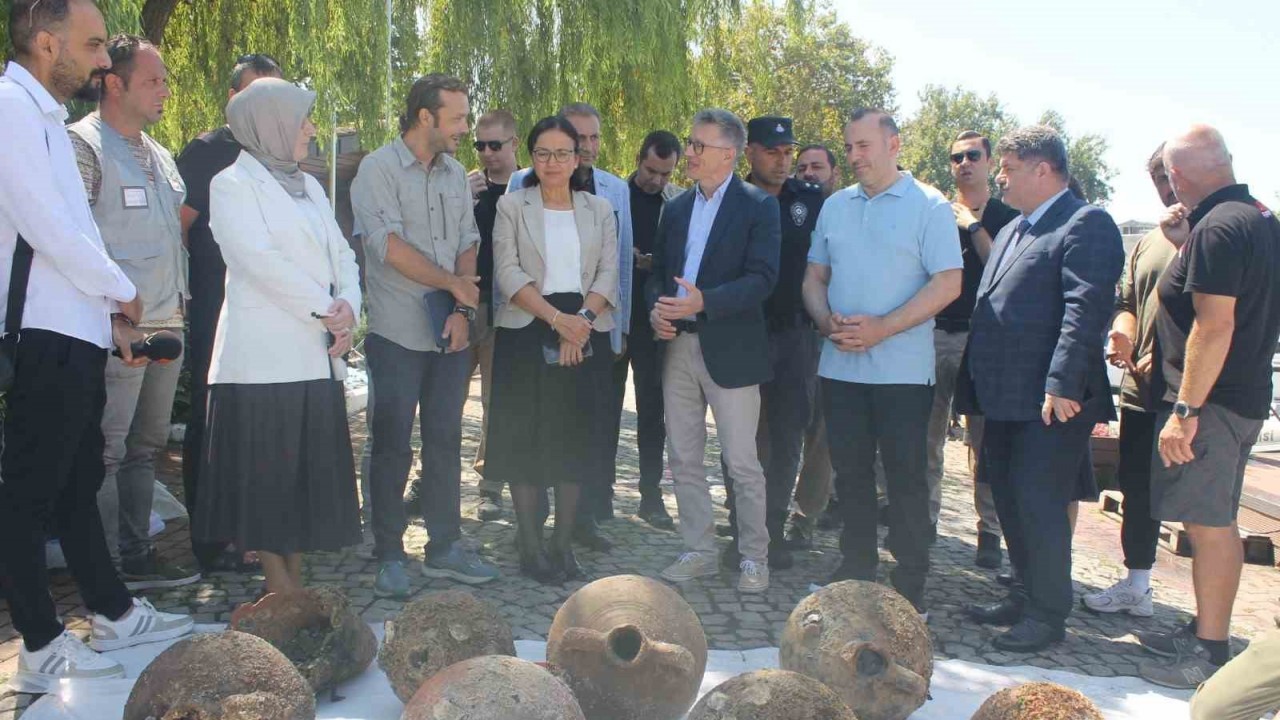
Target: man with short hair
<point>786,400</point>
<point>884,261</point>
<point>978,217</point>
<point>815,163</point>
<point>1131,347</point>
<point>651,188</point>
<point>1035,371</point>
<point>495,143</point>
<point>411,202</point>
<point>715,262</point>
<point>202,159</point>
<point>1216,329</point>
<point>135,191</point>
<point>64,304</point>
<point>597,494</point>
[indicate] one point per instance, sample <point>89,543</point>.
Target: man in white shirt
<point>77,305</point>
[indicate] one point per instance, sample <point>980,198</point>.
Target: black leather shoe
<point>1029,636</point>
<point>588,536</point>
<point>989,555</point>
<point>1006,612</point>
<point>1007,579</point>
<point>655,513</point>
<point>539,567</point>
<point>780,556</point>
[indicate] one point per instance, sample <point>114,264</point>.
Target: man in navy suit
<point>715,261</point>
<point>1037,374</point>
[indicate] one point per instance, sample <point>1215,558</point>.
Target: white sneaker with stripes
<point>142,624</point>
<point>67,657</point>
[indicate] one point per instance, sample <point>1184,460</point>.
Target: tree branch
<point>155,17</point>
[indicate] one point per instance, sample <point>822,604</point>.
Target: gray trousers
<point>135,426</point>
<point>949,349</point>
<point>482,357</point>
<point>687,390</point>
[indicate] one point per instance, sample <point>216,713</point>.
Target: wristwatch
<point>1185,411</point>
<point>974,227</point>
<point>586,313</point>
<point>466,312</point>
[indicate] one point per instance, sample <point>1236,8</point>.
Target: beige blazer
<point>520,251</point>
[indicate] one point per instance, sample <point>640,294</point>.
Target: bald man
<point>1216,332</point>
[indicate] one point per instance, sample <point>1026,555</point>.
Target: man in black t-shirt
<point>1216,332</point>
<point>201,159</point>
<point>979,217</point>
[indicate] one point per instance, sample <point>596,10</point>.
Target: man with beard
<point>66,303</point>
<point>817,164</point>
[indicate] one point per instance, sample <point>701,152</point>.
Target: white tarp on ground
<point>958,688</point>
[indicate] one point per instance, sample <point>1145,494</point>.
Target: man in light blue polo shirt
<point>885,258</point>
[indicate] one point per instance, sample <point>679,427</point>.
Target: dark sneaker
<point>1180,642</point>
<point>149,572</point>
<point>392,581</point>
<point>490,507</point>
<point>1186,672</point>
<point>460,564</point>
<point>654,512</point>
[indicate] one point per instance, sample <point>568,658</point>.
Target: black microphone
<point>160,346</point>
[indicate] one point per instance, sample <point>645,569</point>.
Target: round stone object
<point>316,629</point>
<point>227,676</point>
<point>436,631</point>
<point>1038,701</point>
<point>493,686</point>
<point>632,649</point>
<point>865,642</point>
<point>771,695</point>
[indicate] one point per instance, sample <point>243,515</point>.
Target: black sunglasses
<point>256,58</point>
<point>973,155</point>
<point>493,145</point>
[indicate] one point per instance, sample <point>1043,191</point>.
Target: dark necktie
<point>1018,234</point>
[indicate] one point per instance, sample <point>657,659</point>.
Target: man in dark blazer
<point>715,261</point>
<point>1036,372</point>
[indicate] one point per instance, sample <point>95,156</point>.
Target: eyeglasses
<point>493,145</point>
<point>973,155</point>
<point>544,155</point>
<point>700,147</point>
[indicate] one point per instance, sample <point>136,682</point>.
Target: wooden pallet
<point>1259,533</point>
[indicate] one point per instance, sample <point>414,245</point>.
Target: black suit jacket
<point>738,271</point>
<point>1039,322</point>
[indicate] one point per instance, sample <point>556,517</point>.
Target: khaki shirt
<point>428,208</point>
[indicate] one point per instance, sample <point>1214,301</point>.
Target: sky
<point>1135,71</point>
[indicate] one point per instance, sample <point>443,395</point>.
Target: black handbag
<point>18,279</point>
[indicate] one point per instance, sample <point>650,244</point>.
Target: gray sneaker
<point>393,581</point>
<point>1173,644</point>
<point>460,564</point>
<point>149,572</point>
<point>1185,673</point>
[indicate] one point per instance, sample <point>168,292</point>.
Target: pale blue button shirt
<point>704,216</point>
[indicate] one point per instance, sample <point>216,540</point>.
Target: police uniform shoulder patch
<point>799,213</point>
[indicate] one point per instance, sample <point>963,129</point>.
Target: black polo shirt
<point>199,162</point>
<point>486,212</point>
<point>1234,250</point>
<point>799,203</point>
<point>957,314</point>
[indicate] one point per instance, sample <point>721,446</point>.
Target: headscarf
<point>265,119</point>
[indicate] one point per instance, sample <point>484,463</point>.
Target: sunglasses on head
<point>256,58</point>
<point>973,155</point>
<point>493,145</point>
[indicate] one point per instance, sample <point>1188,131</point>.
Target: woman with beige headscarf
<point>277,460</point>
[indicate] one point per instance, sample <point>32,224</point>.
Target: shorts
<point>1205,491</point>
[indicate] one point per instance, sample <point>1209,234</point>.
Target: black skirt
<point>277,473</point>
<point>546,422</point>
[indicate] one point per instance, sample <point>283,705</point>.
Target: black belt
<point>685,326</point>
<point>951,325</point>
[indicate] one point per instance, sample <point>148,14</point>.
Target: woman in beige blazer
<point>277,471</point>
<point>555,266</point>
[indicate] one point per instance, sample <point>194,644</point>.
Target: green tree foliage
<point>1085,159</point>
<point>943,114</point>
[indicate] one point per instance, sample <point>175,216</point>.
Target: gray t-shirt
<point>428,208</point>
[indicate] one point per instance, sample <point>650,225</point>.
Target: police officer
<point>786,401</point>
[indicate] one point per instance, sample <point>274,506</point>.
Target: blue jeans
<point>434,384</point>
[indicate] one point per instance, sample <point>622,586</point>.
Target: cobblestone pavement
<point>1095,645</point>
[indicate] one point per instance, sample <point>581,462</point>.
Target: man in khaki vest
<point>135,191</point>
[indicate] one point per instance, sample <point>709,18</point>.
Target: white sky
<point>1134,71</point>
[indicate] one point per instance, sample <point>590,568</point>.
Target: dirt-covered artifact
<point>225,676</point>
<point>865,642</point>
<point>771,695</point>
<point>493,686</point>
<point>1038,701</point>
<point>632,649</point>
<point>316,629</point>
<point>436,631</point>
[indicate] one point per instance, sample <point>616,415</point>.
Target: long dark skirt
<point>545,421</point>
<point>277,472</point>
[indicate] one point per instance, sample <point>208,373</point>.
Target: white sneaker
<point>689,566</point>
<point>1121,597</point>
<point>66,657</point>
<point>143,624</point>
<point>754,577</point>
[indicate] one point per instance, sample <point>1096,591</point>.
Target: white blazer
<point>278,273</point>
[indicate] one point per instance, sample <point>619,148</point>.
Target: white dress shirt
<point>704,216</point>
<point>74,285</point>
<point>564,252</point>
